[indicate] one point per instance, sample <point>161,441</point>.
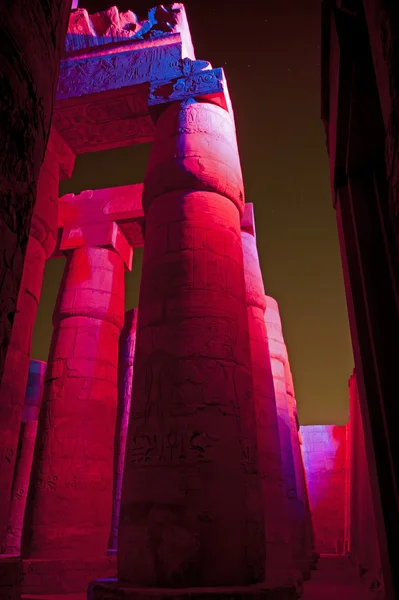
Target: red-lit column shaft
<point>278,358</point>
<point>191,512</point>
<point>304,513</point>
<point>41,245</point>
<point>127,345</point>
<point>70,497</point>
<point>277,533</point>
<point>23,466</point>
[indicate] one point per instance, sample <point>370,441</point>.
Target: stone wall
<point>324,451</point>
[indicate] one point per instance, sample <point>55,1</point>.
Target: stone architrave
<point>127,345</point>
<point>58,164</point>
<point>70,500</point>
<point>278,355</point>
<point>279,551</point>
<point>191,512</point>
<point>306,526</point>
<point>26,445</point>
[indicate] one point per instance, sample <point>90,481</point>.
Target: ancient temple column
<point>70,498</point>
<point>25,116</point>
<point>191,511</point>
<point>58,163</point>
<point>127,345</point>
<point>26,445</point>
<point>279,552</point>
<point>278,360</point>
<point>306,527</point>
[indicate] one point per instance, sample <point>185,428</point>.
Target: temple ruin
<point>158,452</point>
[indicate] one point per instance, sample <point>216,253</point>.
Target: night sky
<point>270,51</point>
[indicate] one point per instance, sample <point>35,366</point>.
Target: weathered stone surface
<point>127,345</point>
<point>204,82</point>
<point>279,550</point>
<point>23,465</point>
<point>191,511</point>
<point>113,27</point>
<point>278,355</point>
<point>361,521</point>
<point>42,239</point>
<point>324,450</point>
<point>25,115</point>
<point>113,590</point>
<point>70,498</point>
<point>11,575</point>
<point>59,576</point>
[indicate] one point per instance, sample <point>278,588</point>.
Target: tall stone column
<point>278,357</point>
<point>306,528</point>
<point>58,163</point>
<point>279,551</point>
<point>70,498</point>
<point>127,345</point>
<point>23,466</point>
<point>191,511</point>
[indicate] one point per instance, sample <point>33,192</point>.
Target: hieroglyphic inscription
<point>175,448</point>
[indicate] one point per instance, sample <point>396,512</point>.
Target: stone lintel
<point>106,234</point>
<point>110,27</point>
<point>248,219</point>
<point>206,84</point>
<point>111,119</point>
<point>117,68</point>
<point>111,589</point>
<point>65,155</point>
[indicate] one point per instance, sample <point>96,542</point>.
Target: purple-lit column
<point>23,465</point>
<point>127,345</point>
<point>278,355</point>
<point>279,555</point>
<point>306,527</point>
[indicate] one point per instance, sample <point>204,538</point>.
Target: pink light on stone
<point>324,452</point>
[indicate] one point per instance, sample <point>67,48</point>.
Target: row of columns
<point>212,465</point>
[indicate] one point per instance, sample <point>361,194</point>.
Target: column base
<point>304,567</point>
<point>63,576</point>
<point>11,575</point>
<point>112,589</point>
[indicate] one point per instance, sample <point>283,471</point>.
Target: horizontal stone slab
<point>111,589</point>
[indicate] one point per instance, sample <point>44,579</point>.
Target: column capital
<point>106,217</point>
<point>200,82</point>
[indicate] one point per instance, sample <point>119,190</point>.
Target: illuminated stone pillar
<point>191,511</point>
<point>58,162</point>
<point>127,345</point>
<point>278,355</point>
<point>70,498</point>
<point>279,551</point>
<point>306,527</point>
<point>26,446</point>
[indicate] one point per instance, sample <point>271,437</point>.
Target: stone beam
<point>122,205</point>
<point>86,32</point>
<point>103,101</point>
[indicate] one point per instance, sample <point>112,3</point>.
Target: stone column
<point>70,498</point>
<point>278,357</point>
<point>26,445</point>
<point>127,345</point>
<point>58,162</point>
<point>306,528</point>
<point>191,511</point>
<point>279,552</point>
